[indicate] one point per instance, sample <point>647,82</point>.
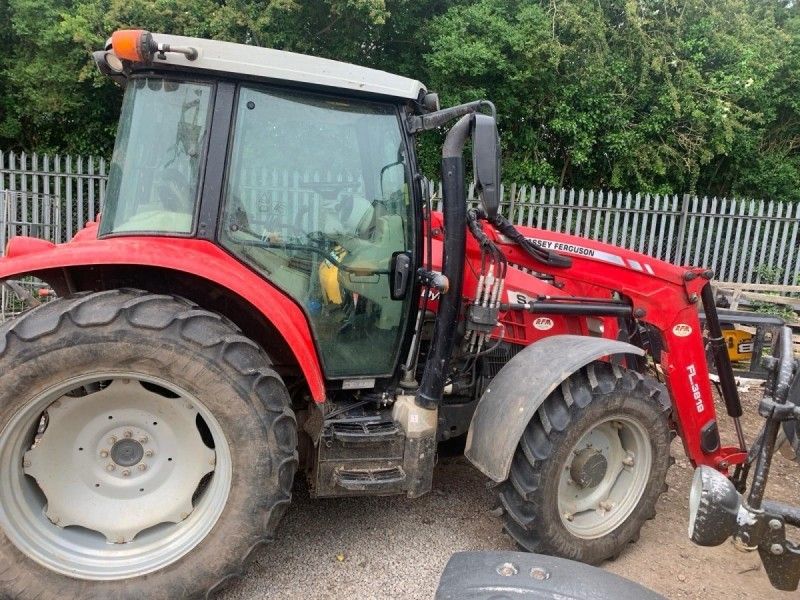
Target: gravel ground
<point>364,548</point>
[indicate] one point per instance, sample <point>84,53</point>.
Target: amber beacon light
<point>135,45</point>
<point>138,45</point>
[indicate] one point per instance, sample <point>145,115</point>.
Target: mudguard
<point>520,388</point>
<point>196,257</point>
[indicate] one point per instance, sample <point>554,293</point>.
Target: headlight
<point>713,507</point>
<point>114,62</point>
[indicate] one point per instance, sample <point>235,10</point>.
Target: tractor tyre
<point>590,466</point>
<point>147,449</point>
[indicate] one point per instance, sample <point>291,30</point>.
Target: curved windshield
<point>158,156</point>
<point>317,199</point>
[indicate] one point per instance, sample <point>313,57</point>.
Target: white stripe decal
<point>635,264</point>
<point>648,268</point>
<point>614,259</point>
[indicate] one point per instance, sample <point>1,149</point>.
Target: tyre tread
<point>185,319</point>
<point>521,494</point>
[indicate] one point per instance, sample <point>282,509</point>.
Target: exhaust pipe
<point>437,364</point>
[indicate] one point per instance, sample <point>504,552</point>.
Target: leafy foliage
<point>659,96</point>
<point>773,275</point>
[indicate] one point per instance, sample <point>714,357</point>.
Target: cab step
<point>364,432</point>
<point>370,480</point>
<point>360,454</point>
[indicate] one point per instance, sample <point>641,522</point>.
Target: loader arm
<point>662,296</point>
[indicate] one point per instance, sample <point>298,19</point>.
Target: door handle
<point>401,274</point>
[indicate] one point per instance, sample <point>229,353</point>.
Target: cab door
<point>317,199</point>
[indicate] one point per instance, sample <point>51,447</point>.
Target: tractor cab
<point>290,167</point>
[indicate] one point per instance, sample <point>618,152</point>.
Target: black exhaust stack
<point>455,218</point>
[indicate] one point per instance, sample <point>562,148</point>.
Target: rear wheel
<point>151,449</point>
<point>589,467</point>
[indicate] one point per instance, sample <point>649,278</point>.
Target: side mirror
<point>486,163</point>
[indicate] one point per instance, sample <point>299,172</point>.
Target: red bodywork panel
<point>196,257</point>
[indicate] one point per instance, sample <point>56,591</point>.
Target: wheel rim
<point>114,475</point>
<point>604,477</point>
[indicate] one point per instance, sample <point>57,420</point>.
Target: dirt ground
<point>359,548</point>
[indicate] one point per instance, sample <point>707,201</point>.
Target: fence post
<point>512,201</point>
<point>684,218</point>
<point>4,203</point>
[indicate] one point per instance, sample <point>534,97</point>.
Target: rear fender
<point>191,256</point>
<point>520,388</point>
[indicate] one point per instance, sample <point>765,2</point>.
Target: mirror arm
<point>418,123</point>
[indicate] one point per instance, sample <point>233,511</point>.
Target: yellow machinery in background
<point>748,337</point>
<point>739,343</point>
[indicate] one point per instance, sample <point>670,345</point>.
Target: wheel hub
<point>604,477</point>
<point>127,452</point>
<point>588,468</point>
<point>119,461</point>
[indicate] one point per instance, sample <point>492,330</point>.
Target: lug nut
<point>569,516</point>
<point>26,463</point>
<point>125,473</point>
<point>142,467</point>
<point>774,524</point>
<point>606,505</point>
<point>149,453</point>
<point>144,439</point>
<point>112,440</point>
<point>110,468</point>
<point>628,461</point>
<point>103,453</point>
<point>776,549</point>
<point>128,434</point>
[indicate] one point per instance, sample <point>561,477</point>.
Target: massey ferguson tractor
<point>268,291</point>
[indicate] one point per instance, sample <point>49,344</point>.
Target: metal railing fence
<point>742,240</point>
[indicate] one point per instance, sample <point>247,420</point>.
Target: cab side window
<point>317,201</point>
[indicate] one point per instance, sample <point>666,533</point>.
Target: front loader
<point>268,291</point>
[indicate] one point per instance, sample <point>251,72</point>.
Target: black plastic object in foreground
<point>526,576</point>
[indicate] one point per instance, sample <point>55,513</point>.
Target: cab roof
<point>228,58</point>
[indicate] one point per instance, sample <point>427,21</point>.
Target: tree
<point>646,95</point>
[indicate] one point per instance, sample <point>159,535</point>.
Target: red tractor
<point>269,290</point>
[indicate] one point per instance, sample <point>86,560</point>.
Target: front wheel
<point>589,467</point>
<point>147,448</point>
